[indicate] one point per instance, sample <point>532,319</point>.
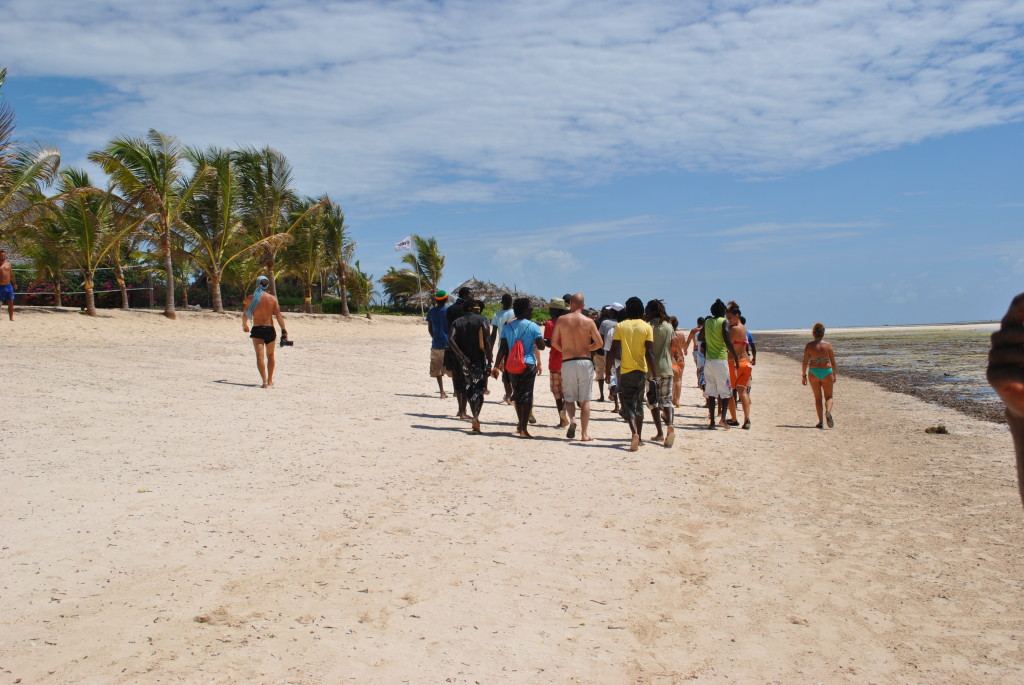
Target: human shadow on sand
<point>241,385</point>
<point>811,428</point>
<point>505,433</point>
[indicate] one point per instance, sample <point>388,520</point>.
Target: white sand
<point>166,521</point>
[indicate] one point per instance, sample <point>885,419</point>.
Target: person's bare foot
<point>270,384</point>
<point>476,426</point>
<point>670,437</point>
<point>563,419</point>
<point>525,434</point>
<point>444,395</point>
<point>724,424</point>
<point>634,444</point>
<point>264,386</point>
<point>463,417</point>
<point>585,438</point>
<point>658,438</point>
<point>712,426</point>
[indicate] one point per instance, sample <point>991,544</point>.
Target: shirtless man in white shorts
<point>576,337</point>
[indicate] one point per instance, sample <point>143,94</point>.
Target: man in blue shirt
<point>437,327</point>
<point>521,329</point>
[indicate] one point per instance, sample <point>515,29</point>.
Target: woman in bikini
<point>820,362</point>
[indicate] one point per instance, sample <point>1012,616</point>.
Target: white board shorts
<point>716,378</point>
<point>577,380</point>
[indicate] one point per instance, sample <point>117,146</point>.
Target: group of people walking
<point>634,349</point>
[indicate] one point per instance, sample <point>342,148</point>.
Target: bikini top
<point>816,361</point>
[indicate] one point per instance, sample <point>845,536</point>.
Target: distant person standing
<point>633,342</point>
<point>262,308</point>
<point>7,284</point>
<point>437,328</point>
<point>1006,374</point>
<point>470,340</point>
<point>820,362</point>
<point>498,321</point>
<point>576,337</point>
<point>521,330</point>
<point>662,410</point>
<point>718,348</point>
<point>556,308</point>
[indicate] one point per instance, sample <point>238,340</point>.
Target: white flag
<point>405,245</point>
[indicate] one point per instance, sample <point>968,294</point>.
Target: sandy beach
<point>165,520</point>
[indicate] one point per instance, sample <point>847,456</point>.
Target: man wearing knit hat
<point>437,327</point>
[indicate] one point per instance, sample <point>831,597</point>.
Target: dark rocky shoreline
<point>893,380</point>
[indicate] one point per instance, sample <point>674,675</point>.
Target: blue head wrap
<point>261,286</point>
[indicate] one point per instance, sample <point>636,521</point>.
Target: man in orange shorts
<point>740,371</point>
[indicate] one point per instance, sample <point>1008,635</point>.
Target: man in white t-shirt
<point>498,322</point>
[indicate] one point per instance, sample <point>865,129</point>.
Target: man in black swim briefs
<point>262,308</point>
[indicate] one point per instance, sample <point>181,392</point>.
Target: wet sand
<point>165,520</point>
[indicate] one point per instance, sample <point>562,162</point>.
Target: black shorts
<point>265,333</point>
<point>522,384</point>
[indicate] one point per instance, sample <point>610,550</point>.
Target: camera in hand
<point>285,342</point>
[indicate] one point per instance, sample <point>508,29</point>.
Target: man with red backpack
<point>519,338</point>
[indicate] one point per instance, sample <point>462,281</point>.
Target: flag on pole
<point>404,245</point>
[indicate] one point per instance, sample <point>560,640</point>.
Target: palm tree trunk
<point>218,303</point>
<point>56,293</point>
<point>342,289</point>
<point>184,292</point>
<point>122,286</point>
<point>90,296</point>
<point>307,297</point>
<point>271,261</point>
<point>165,245</point>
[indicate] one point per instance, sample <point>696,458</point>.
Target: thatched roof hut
<point>489,292</point>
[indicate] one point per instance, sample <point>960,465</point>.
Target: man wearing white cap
<point>262,307</point>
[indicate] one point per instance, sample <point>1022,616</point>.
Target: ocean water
<point>945,366</point>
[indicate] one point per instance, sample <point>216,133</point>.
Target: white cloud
<point>405,102</point>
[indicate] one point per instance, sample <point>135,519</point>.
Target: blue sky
<point>851,161</point>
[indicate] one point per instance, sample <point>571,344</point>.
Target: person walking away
<point>612,367</point>
<point>606,317</point>
<point>679,349</point>
<point>470,340</point>
<point>262,308</point>
<point>521,330</point>
<point>556,308</point>
<point>437,328</point>
<point>457,308</point>
<point>632,342</point>
<point>498,321</point>
<point>696,337</point>
<point>660,374</point>
<point>741,372</point>
<point>575,338</point>
<point>7,284</point>
<point>820,361</point>
<point>718,348</point>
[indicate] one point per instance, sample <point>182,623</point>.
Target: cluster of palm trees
<point>230,214</point>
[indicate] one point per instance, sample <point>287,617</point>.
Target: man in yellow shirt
<point>633,343</point>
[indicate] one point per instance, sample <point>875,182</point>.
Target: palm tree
<point>360,287</point>
<point>147,172</point>
<point>426,261</point>
<point>89,223</point>
<point>399,285</point>
<point>50,252</point>
<point>23,168</point>
<point>338,246</point>
<point>265,188</point>
<point>125,253</point>
<point>307,255</point>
